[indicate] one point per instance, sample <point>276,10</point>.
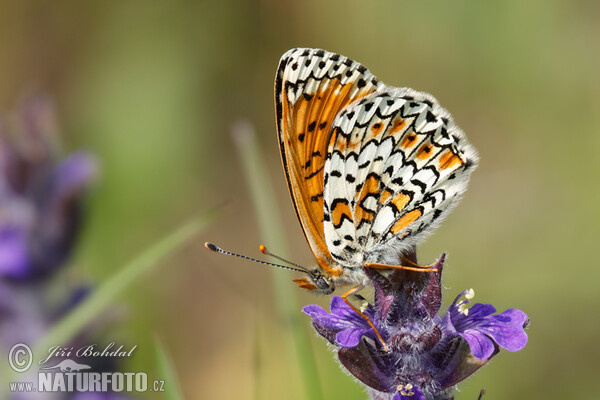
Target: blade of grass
<point>103,296</point>
<point>271,228</point>
<point>167,371</point>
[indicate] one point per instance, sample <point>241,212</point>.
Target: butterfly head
<point>317,282</point>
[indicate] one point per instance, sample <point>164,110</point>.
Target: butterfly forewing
<point>371,168</point>
<point>311,88</point>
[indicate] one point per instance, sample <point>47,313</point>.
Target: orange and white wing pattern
<point>371,168</point>
<point>311,88</point>
<point>397,164</point>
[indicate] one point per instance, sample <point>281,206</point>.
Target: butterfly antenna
<point>217,249</point>
<point>263,249</point>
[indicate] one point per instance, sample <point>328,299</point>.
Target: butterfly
<point>372,169</point>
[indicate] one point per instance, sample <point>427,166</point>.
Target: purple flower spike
<point>482,330</point>
<point>350,326</point>
<point>427,354</point>
<point>40,196</point>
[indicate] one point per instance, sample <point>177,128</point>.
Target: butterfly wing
<point>397,164</point>
<point>311,88</point>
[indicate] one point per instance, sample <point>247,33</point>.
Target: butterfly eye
<point>321,283</point>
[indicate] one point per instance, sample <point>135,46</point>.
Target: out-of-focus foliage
<point>151,88</point>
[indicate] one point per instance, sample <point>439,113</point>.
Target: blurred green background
<point>152,88</point>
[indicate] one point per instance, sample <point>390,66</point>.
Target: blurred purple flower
<point>98,396</point>
<point>428,354</point>
<point>40,196</point>
<point>40,214</point>
<point>13,250</point>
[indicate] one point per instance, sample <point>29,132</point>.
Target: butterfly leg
<point>416,268</point>
<point>365,317</point>
<point>408,261</point>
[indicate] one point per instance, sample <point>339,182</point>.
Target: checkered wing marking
<point>311,88</point>
<point>396,165</point>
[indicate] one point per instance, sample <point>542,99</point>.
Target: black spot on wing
<point>420,184</point>
<point>430,117</point>
<point>313,174</point>
<point>350,249</point>
<point>364,165</point>
<point>398,181</point>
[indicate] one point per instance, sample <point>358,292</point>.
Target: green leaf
<point>272,231</point>
<point>167,372</point>
<point>90,309</point>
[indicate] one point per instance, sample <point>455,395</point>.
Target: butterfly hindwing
<point>396,165</point>
<point>311,88</point>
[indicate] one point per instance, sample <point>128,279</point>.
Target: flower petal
<point>481,310</point>
<point>481,329</point>
<point>350,337</point>
<point>14,259</point>
<point>414,393</point>
<point>340,308</point>
<point>313,310</point>
<point>508,330</point>
<point>350,326</point>
<point>481,346</point>
<point>323,318</point>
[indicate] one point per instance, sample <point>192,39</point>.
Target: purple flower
<point>482,330</point>
<point>408,392</point>
<point>427,354</point>
<point>98,396</point>
<point>41,200</point>
<point>40,196</point>
<point>40,207</point>
<point>13,250</point>
<point>350,326</point>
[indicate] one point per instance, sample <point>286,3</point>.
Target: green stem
<point>103,296</point>
<point>167,372</point>
<point>273,233</point>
